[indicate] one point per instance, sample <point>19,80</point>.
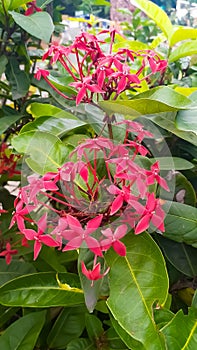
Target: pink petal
<point>93,245</point>
<point>93,224</point>
<point>119,248</point>
<point>107,233</point>
<point>75,243</point>
<point>122,84</point>
<point>42,222</point>
<point>143,224</point>
<point>48,240</point>
<point>114,189</point>
<point>116,205</point>
<point>80,95</point>
<point>37,249</point>
<point>73,222</point>
<point>120,231</point>
<point>29,234</point>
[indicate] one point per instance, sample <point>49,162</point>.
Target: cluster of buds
<point>93,201</point>
<point>8,160</point>
<point>98,74</point>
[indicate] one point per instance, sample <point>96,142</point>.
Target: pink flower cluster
<point>100,73</point>
<point>93,201</point>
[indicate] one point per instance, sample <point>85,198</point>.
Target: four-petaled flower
<point>95,273</point>
<point>113,239</point>
<point>153,175</point>
<point>8,253</point>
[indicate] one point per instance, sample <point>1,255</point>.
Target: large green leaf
<point>18,79</point>
<point>45,151</point>
<point>181,223</point>
<point>167,122</point>
<point>128,340</point>
<point>23,333</point>
<point>182,256</point>
<point>39,24</point>
<point>3,63</point>
<point>54,125</point>
<point>186,326</point>
<point>157,100</point>
<point>155,13</point>
<point>187,120</point>
<point>188,48</point>
<point>68,326</point>
<point>15,269</point>
<point>131,288</point>
<point>17,3</point>
<point>182,33</point>
<point>42,290</point>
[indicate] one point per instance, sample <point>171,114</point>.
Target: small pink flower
<point>153,175</point>
<point>32,8</point>
<point>8,252</point>
<point>113,239</point>
<point>95,273</point>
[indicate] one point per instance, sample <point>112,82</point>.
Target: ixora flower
<point>32,7</point>
<point>83,208</point>
<point>8,253</point>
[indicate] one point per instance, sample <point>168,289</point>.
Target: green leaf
<point>18,79</point>
<point>94,327</point>
<point>42,290</point>
<point>162,317</point>
<point>23,333</point>
<point>184,191</point>
<point>131,288</point>
<point>183,217</point>
<point>157,100</point>
<point>126,338</point>
<point>187,120</point>
<point>7,121</point>
<point>187,331</point>
<point>3,63</point>
<point>188,48</point>
<point>45,151</point>
<point>182,33</point>
<point>7,314</point>
<point>194,300</point>
<point>166,163</point>
<point>54,125</point>
<point>155,13</point>
<point>37,109</point>
<point>167,122</point>
<point>14,4</point>
<point>15,269</point>
<point>39,24</point>
<point>114,340</point>
<point>81,344</point>
<point>182,256</point>
<point>101,3</point>
<point>69,325</point>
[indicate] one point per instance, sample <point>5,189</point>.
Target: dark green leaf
<point>18,79</point>
<point>7,121</point>
<point>42,290</point>
<point>23,333</point>
<point>187,120</point>
<point>182,256</point>
<point>181,223</point>
<point>94,327</point>
<point>15,269</point>
<point>126,338</point>
<point>68,326</point>
<point>3,63</point>
<point>81,344</point>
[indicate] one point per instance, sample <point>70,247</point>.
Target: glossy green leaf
<point>39,24</point>
<point>42,290</point>
<point>18,79</point>
<point>114,340</point>
<point>187,120</point>
<point>186,326</point>
<point>181,223</point>
<point>162,317</point>
<point>15,269</point>
<point>157,100</point>
<point>81,344</point>
<point>167,122</point>
<point>101,3</point>
<point>6,314</point>
<point>182,256</point>
<point>155,13</point>
<point>182,33</point>
<point>23,333</point>
<point>54,125</point>
<point>69,325</point>
<point>131,294</point>
<point>188,48</point>
<point>45,151</point>
<point>184,191</point>
<point>37,109</point>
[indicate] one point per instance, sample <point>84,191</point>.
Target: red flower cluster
<point>101,73</point>
<point>85,204</point>
<point>8,161</point>
<point>32,8</point>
